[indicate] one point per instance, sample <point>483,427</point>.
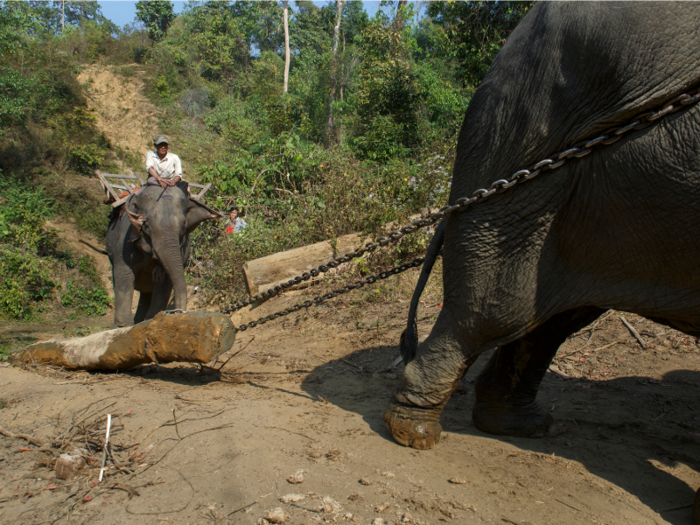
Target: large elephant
<point>618,228</point>
<point>148,244</point>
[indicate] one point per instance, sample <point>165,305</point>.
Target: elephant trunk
<point>170,256</point>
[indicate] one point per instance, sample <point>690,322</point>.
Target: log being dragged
<point>197,337</point>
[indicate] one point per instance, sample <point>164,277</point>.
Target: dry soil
<point>294,421</point>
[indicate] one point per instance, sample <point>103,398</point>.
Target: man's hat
<point>159,139</point>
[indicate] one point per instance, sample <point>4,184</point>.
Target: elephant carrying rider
<point>164,168</point>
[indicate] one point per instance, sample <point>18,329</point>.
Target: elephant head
<point>161,222</point>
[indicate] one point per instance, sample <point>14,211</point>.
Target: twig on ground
<point>242,508</point>
<point>633,332</point>
<point>82,420</point>
<point>508,520</point>
<point>676,508</point>
<point>393,365</point>
<point>591,350</point>
<point>167,511</point>
<point>129,490</point>
<point>607,346</point>
<point>292,432</point>
<point>120,466</point>
<point>317,511</point>
<point>351,364</point>
<point>34,441</point>
<point>593,327</point>
<point>177,430</point>
<point>570,506</point>
<point>558,372</point>
<point>236,353</point>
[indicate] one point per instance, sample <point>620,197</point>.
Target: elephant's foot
<point>413,427</point>
<point>511,418</point>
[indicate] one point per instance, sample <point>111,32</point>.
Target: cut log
<point>198,337</point>
<point>267,272</point>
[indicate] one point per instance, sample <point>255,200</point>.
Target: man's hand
<point>164,183</point>
<point>174,181</point>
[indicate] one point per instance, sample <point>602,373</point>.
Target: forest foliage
<point>362,137</point>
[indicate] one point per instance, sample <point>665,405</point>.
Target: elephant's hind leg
<point>413,416</point>
<point>507,388</point>
<point>144,305</point>
<point>160,297</point>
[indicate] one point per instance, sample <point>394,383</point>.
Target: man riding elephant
<point>164,168</point>
<point>148,239</point>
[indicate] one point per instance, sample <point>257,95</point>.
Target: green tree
<point>157,15</point>
<point>475,32</point>
<point>221,43</point>
<point>48,16</point>
<point>386,96</point>
<point>14,24</point>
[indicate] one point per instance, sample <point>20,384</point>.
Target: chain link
<point>335,293</point>
<point>579,150</point>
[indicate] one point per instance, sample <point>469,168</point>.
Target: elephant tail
<point>409,338</point>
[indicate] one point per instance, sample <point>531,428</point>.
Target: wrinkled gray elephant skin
<point>148,245</point>
<point>616,229</point>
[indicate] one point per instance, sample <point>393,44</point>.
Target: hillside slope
<point>124,114</point>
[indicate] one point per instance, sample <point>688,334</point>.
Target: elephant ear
<point>198,212</point>
<point>136,221</point>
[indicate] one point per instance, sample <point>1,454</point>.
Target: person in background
<point>234,224</point>
<point>164,168</point>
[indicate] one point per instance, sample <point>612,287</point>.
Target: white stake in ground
<point>104,452</point>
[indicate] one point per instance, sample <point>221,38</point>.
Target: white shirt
<point>168,168</point>
<point>238,225</point>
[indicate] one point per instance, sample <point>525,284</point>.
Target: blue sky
<point>123,12</point>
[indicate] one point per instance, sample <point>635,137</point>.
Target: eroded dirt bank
<point>305,398</point>
<point>124,114</point>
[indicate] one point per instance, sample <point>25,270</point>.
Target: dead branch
<point>292,432</point>
<point>243,508</point>
<point>34,441</point>
<point>129,490</point>
<point>177,430</point>
<point>633,332</point>
<point>236,353</point>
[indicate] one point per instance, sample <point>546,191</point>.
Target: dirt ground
<point>294,421</point>
<point>124,114</point>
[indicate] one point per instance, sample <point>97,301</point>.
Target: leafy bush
<point>26,281</point>
<point>30,261</point>
<point>89,300</point>
<point>22,215</point>
<point>86,157</point>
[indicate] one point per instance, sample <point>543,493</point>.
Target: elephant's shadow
<point>627,430</point>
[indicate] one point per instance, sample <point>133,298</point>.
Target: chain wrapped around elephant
<point>577,151</point>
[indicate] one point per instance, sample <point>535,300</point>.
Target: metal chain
<point>579,150</point>
<point>330,295</point>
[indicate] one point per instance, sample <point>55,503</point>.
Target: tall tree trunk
<point>286,46</point>
<point>339,4</point>
<point>400,11</point>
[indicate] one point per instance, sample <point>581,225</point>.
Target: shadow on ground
<point>626,430</point>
